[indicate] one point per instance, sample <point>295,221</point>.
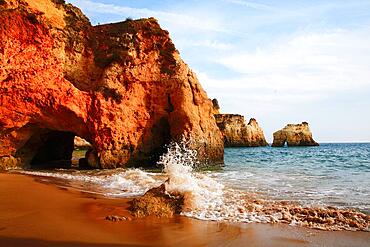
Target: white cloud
<point>250,4</point>
<point>315,77</point>
<point>171,19</point>
<point>313,63</point>
<point>206,43</point>
<point>258,89</point>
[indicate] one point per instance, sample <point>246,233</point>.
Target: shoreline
<point>34,213</point>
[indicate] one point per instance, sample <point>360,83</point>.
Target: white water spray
<point>205,198</point>
<point>200,191</point>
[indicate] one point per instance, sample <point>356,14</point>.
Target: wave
<point>205,197</point>
<point>118,183</point>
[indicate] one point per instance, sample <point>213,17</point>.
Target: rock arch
<point>121,86</point>
<point>294,135</point>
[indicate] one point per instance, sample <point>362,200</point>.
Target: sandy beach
<point>38,214</point>
<point>184,123</point>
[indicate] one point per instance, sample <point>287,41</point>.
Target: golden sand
<point>39,214</point>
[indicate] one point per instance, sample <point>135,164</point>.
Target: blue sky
<point>277,61</point>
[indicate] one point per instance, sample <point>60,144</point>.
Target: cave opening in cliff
<point>52,149</point>
<point>161,132</point>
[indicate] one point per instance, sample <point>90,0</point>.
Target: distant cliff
<point>237,133</point>
<point>80,143</point>
<point>294,135</point>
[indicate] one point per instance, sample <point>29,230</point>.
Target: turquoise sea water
<point>336,174</point>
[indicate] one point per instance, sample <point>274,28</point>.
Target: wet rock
<point>294,135</point>
<point>82,163</point>
<point>91,159</point>
<point>115,218</point>
<point>9,162</point>
<point>323,218</point>
<point>157,202</point>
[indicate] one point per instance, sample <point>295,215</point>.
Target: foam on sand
<point>206,198</point>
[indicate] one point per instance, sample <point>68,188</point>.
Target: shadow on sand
<point>28,242</point>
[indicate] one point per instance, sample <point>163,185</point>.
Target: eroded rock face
<point>239,134</point>
<point>294,135</point>
<point>123,87</point>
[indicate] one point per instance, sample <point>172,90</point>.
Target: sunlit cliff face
<point>123,87</point>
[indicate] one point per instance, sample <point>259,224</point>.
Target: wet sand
<point>38,214</point>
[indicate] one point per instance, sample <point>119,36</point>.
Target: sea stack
<point>122,87</point>
<point>237,133</point>
<point>294,135</point>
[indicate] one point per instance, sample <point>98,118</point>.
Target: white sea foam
<point>206,197</point>
<point>201,192</point>
<point>127,183</point>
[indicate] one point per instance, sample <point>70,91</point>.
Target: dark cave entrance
<point>52,149</point>
<point>161,138</point>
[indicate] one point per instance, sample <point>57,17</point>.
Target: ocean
<point>336,174</point>
<point>332,174</point>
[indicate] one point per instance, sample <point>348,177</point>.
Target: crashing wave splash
<point>205,198</point>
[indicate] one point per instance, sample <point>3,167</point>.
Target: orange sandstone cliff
<point>294,135</point>
<point>123,87</point>
<point>237,133</point>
